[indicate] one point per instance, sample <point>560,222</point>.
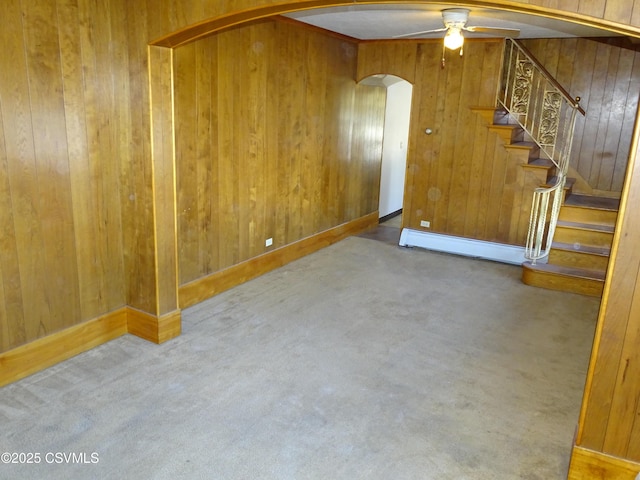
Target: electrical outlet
<point>268,242</point>
<point>425,223</point>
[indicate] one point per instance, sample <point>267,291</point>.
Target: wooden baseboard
<point>45,352</point>
<point>206,287</point>
<point>591,465</point>
<point>153,328</point>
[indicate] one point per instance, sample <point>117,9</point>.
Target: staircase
<point>579,253</point>
<point>580,250</point>
<point>517,141</point>
<point>570,235</point>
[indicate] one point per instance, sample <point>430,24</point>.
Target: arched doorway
<point>394,145</point>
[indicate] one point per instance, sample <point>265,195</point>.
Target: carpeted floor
<point>361,361</point>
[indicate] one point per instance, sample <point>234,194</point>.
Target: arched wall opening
<point>274,144</point>
<point>163,162</point>
<point>161,71</point>
<point>235,18</point>
<point>395,142</point>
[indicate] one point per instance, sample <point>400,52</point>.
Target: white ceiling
<point>369,22</point>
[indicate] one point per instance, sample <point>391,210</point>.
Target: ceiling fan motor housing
<point>455,17</point>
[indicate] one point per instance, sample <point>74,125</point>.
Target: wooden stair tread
<point>589,201</point>
<point>505,126</point>
<point>568,184</point>
<point>586,226</point>
<point>541,163</point>
<point>509,132</point>
<point>567,271</point>
<point>524,145</point>
<point>588,249</point>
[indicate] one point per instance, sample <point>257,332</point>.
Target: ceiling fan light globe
<point>453,39</point>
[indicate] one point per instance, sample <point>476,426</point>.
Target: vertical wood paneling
<point>463,150</point>
<point>373,60</point>
<point>22,173</point>
<point>421,151</point>
<point>76,198</point>
<point>206,225</point>
<point>164,183</point>
<point>85,204</point>
<point>185,83</point>
<point>627,122</point>
<point>618,88</point>
<point>594,8</point>
<point>581,85</point>
<point>316,77</point>
<point>229,75</point>
<point>609,417</point>
<point>99,131</point>
<point>456,176</point>
<point>52,171</point>
<point>619,11</point>
<point>366,150</point>
<point>63,107</point>
<point>12,154</point>
<point>136,169</point>
<point>281,86</point>
<point>86,85</point>
<point>12,328</point>
<point>599,168</point>
<point>605,76</point>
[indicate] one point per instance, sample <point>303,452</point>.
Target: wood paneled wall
<point>460,178</point>
<point>607,78</point>
<point>77,175</point>
<point>63,98</point>
<point>610,420</point>
<point>274,140</point>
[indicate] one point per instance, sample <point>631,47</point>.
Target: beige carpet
<point>361,361</point>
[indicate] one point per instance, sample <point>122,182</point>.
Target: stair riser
<point>578,260</point>
<point>541,174</point>
<point>523,155</point>
<point>553,281</point>
<point>508,133</point>
<point>583,237</point>
<point>588,215</point>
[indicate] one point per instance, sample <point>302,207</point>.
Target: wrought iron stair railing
<point>535,100</point>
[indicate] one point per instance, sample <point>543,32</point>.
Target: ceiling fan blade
<point>502,32</point>
<point>415,34</point>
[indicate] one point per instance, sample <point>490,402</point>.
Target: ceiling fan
<point>455,22</point>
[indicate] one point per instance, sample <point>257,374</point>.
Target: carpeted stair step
<point>565,279</point>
